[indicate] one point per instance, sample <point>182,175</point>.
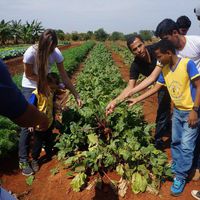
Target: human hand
<point>62,86</point>
<point>132,101</point>
<point>110,108</point>
<point>79,102</point>
<point>193,119</point>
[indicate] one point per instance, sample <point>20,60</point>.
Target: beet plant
<point>93,143</point>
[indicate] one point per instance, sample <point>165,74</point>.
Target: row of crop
<point>16,51</point>
<point>73,56</point>
<point>124,53</point>
<point>8,136</point>
<point>93,143</point>
<point>12,53</point>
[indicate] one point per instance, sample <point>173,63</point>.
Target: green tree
<point>146,34</point>
<point>130,35</point>
<point>89,35</point>
<point>5,32</point>
<point>16,27</point>
<point>27,31</point>
<point>31,31</point>
<point>60,34</point>
<point>67,36</point>
<point>117,36</point>
<point>100,35</point>
<point>75,36</point>
<point>82,36</point>
<point>37,30</point>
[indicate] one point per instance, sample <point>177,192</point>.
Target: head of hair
<point>164,46</point>
<point>51,78</point>
<point>47,38</point>
<point>183,22</point>
<point>131,39</point>
<point>166,27</point>
<point>47,41</point>
<point>197,11</point>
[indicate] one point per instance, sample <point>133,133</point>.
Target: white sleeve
<point>58,55</point>
<point>197,40</point>
<point>29,56</point>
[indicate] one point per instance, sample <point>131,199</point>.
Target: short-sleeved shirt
<point>140,66</point>
<point>30,58</point>
<point>179,83</point>
<point>191,49</point>
<point>13,104</point>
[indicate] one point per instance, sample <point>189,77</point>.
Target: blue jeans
<point>183,143</point>
<point>24,139</point>
<point>5,195</point>
<point>42,138</point>
<point>163,113</point>
<point>196,162</point>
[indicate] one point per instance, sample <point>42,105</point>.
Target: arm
<point>145,95</point>
<point>110,107</point>
<point>31,118</point>
<point>146,82</point>
<point>28,70</point>
<point>14,105</point>
<point>193,116</point>
<point>195,79</point>
<point>122,96</point>
<point>66,80</point>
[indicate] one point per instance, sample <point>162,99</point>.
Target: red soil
<point>49,187</point>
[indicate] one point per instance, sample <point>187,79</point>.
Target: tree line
<point>15,32</point>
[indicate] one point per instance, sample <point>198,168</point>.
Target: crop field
<point>97,156</point>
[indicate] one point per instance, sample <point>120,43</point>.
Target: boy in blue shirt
<point>182,80</point>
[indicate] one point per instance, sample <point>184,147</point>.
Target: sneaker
<point>35,165</point>
<point>196,176</point>
<point>178,186</point>
<point>26,169</point>
<point>196,194</point>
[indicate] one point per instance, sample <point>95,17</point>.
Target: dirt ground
<point>50,187</point>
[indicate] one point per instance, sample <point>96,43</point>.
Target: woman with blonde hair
<point>38,60</point>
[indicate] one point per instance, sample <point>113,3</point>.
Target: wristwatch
<point>195,108</point>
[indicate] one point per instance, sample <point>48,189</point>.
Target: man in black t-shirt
<point>144,63</point>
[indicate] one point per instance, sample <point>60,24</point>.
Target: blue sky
<point>126,16</point>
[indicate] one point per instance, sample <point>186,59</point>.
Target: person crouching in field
<point>43,98</point>
<point>182,79</point>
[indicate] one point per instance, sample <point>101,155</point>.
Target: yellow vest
<point>45,105</point>
<point>179,83</point>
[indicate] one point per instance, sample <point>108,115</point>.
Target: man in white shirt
<point>186,46</point>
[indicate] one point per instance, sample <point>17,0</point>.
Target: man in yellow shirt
<point>182,79</point>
